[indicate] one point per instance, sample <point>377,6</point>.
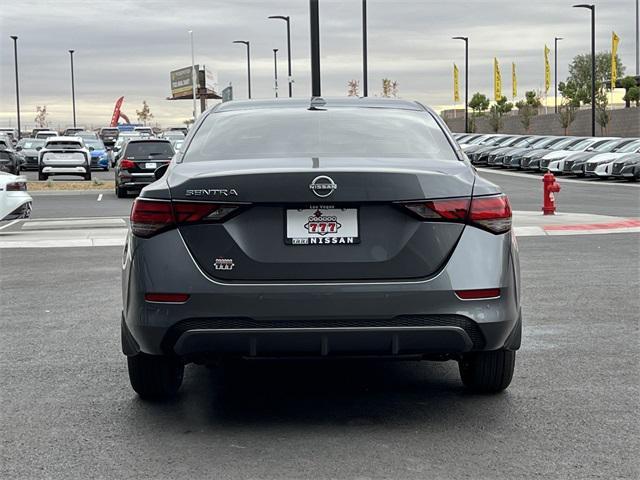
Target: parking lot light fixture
<point>248,45</point>
<point>287,19</point>
<point>593,63</point>
<point>193,76</point>
<point>15,56</point>
<point>275,71</point>
<point>73,90</point>
<point>466,81</point>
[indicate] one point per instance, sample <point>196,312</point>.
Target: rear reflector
<point>478,294</point>
<point>489,213</point>
<point>166,297</point>
<point>149,217</point>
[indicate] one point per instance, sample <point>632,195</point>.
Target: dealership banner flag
<point>497,81</point>
<point>615,40</point>
<point>514,80</point>
<point>547,70</point>
<point>456,84</point>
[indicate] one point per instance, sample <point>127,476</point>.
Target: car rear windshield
<point>337,132</point>
<point>146,150</point>
<point>63,145</point>
<point>30,143</point>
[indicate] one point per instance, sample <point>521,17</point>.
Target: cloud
<point>128,48</point>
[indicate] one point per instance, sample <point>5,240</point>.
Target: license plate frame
<point>321,225</point>
<point>151,165</point>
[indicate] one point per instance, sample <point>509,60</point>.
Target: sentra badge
<point>212,192</point>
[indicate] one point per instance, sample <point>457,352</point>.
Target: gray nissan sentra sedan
<point>322,228</point>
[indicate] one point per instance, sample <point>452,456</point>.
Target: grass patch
<point>50,185</point>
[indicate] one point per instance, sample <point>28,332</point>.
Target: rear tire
<point>154,376</point>
<point>42,176</point>
<point>488,372</point>
<point>121,192</point>
<point>87,176</point>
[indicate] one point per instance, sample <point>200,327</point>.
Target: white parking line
<point>560,179</point>
<point>10,223</point>
<point>100,197</point>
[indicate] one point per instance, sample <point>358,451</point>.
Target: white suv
<point>64,156</point>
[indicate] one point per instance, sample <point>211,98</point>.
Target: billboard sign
<point>182,81</point>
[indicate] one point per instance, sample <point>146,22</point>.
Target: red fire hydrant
<point>550,187</point>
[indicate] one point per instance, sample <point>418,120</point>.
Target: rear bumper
<point>79,170</point>
<point>320,319</point>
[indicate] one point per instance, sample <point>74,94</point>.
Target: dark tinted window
<point>145,150</point>
<point>335,132</point>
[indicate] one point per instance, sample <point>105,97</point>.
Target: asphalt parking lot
<point>571,411</point>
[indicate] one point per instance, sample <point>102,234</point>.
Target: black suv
<point>138,161</point>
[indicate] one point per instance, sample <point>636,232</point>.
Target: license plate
<point>150,165</point>
<point>322,226</point>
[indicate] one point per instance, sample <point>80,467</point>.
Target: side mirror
<point>159,172</point>
<point>38,149</point>
<point>18,149</point>
<point>91,149</point>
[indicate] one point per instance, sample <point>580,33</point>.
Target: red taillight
<point>17,187</point>
<point>166,297</point>
<point>479,294</point>
<point>492,213</point>
<point>126,165</point>
<point>446,209</point>
<point>149,217</point>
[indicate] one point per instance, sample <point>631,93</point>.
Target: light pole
<point>275,70</point>
<point>15,56</point>
<point>73,90</point>
<point>593,64</point>
<point>365,68</point>
<point>466,81</point>
<point>248,45</point>
<point>555,70</point>
<point>314,21</point>
<point>637,39</point>
<point>193,76</point>
<point>286,19</point>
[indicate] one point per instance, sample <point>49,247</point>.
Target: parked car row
<point>601,157</point>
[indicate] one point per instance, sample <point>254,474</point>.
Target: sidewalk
<point>112,231</point>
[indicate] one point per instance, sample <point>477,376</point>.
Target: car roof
<point>319,102</point>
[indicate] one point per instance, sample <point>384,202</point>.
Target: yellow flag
<point>456,83</point>
<point>497,81</point>
<point>547,70</point>
<point>514,80</point>
<point>615,40</point>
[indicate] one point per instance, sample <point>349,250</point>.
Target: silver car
<point>327,228</point>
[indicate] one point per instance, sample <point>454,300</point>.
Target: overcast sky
<point>128,47</point>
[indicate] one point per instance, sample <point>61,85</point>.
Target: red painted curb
<point>596,226</point>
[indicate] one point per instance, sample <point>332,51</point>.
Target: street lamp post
<point>193,76</point>
<point>365,68</point>
<point>73,90</point>
<point>555,70</point>
<point>275,70</point>
<point>466,81</point>
<point>286,19</point>
<point>314,29</point>
<point>248,45</point>
<point>593,64</point>
<point>15,56</point>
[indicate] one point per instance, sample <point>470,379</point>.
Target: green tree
<point>629,83</point>
<point>577,88</point>
<point>145,114</point>
<point>603,116</point>
<point>567,114</point>
<point>528,108</point>
<point>632,95</point>
<point>497,111</point>
<point>479,103</point>
<point>353,87</point>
